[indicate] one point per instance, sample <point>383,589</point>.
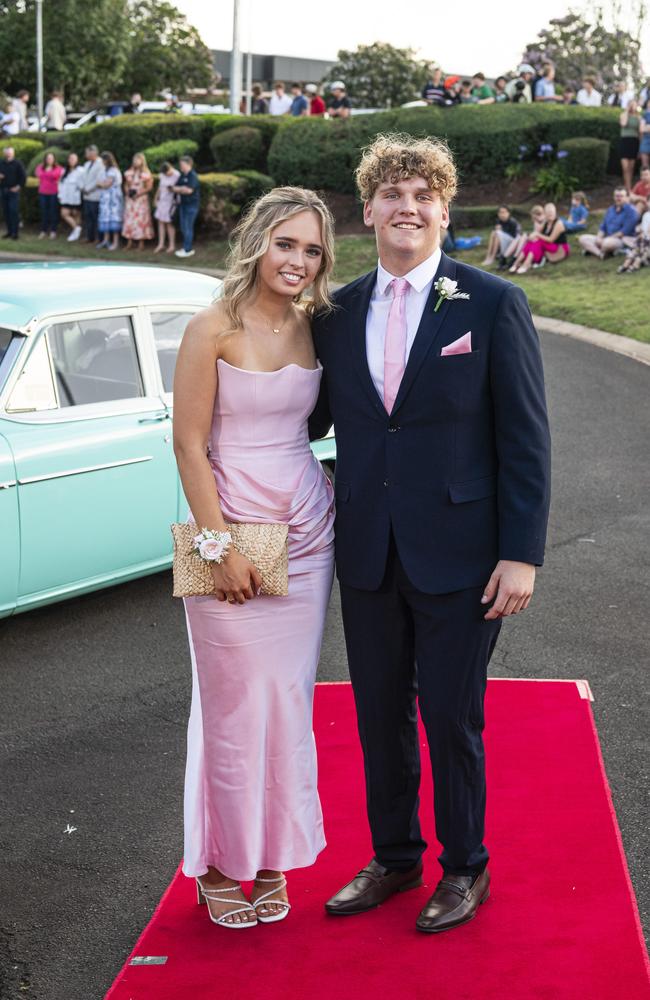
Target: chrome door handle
<point>156,419</point>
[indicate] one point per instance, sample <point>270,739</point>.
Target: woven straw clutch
<point>265,545</point>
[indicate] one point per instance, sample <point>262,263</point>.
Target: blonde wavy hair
<point>252,237</point>
<point>398,157</point>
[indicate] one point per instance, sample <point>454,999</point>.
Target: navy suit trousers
<point>404,647</point>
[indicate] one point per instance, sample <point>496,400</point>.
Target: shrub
<point>266,125</point>
<point>29,206</point>
<point>171,151</point>
<point>586,160</point>
<point>485,139</point>
<point>257,183</point>
<point>222,198</point>
<point>238,149</point>
<point>125,135</point>
<point>60,154</point>
<point>25,148</point>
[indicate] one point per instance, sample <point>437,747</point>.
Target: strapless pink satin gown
<point>251,798</point>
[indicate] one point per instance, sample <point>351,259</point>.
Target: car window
<point>168,330</point>
<point>34,389</point>
<point>95,360</point>
<point>5,340</point>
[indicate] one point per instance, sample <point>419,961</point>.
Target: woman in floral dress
<point>111,204</point>
<point>137,211</point>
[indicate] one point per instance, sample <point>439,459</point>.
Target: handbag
<point>265,545</point>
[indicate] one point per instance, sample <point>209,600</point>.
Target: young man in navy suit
<point>433,381</point>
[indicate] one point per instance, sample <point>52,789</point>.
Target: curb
<point>637,350</point>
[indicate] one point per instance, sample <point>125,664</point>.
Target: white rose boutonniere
<point>447,289</point>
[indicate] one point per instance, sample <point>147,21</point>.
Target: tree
<point>86,46</point>
<point>167,51</point>
<point>379,75</point>
<point>577,47</point>
<point>97,49</point>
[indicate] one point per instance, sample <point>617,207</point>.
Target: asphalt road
<point>95,695</point>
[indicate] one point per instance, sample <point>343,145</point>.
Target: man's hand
<point>510,587</point>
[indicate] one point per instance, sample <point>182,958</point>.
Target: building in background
<point>267,69</point>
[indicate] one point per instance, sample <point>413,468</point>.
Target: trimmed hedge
<point>60,154</point>
<point>25,149</point>
<point>485,139</point>
<point>238,149</point>
<point>258,184</point>
<point>587,160</point>
<point>169,151</point>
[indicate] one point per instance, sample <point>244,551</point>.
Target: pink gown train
<point>251,798</point>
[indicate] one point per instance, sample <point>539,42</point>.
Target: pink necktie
<point>395,343</point>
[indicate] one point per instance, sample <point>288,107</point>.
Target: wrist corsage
<point>213,546</point>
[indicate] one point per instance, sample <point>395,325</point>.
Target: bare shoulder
<point>208,328</point>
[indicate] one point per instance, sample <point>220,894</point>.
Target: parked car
<point>88,480</point>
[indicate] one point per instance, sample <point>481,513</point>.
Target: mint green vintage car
<point>88,480</point>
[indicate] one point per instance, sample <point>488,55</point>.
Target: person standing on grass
<point>339,106</point>
<point>630,122</point>
<point>432,377</point>
<point>166,203</point>
<point>644,146</point>
<point>259,104</point>
<point>545,86</point>
<point>616,231</point>
<point>70,188</point>
<point>138,182</point>
<point>20,105</point>
<point>189,191</point>
<point>93,173</point>
<point>12,180</point>
<point>111,204</point>
<point>49,174</point>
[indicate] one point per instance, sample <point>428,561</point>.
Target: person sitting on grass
<point>504,238</point>
<point>639,256</point>
<point>550,243</point>
<point>617,230</point>
<point>641,192</point>
<point>578,213</point>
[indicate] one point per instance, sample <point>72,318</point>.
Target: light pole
<point>235,63</point>
<point>39,60</point>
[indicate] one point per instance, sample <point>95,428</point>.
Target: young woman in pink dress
<point>138,182</point>
<point>246,381</point>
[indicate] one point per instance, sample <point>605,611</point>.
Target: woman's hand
<point>236,580</point>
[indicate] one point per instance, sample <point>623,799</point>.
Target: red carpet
<point>554,928</point>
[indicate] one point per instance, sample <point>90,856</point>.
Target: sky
<point>319,31</point>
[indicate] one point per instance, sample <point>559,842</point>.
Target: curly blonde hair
<point>398,157</point>
<point>252,237</point>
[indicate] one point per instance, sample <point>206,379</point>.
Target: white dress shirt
<point>420,280</point>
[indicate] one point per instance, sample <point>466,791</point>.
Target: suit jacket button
<point>385,482</point>
<point>392,428</point>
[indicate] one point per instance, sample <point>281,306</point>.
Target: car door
<point>93,453</point>
<point>168,325</point>
<point>9,535</point>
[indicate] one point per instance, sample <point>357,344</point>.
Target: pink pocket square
<point>461,346</point>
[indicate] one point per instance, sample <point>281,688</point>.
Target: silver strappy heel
<point>265,899</point>
<point>215,894</point>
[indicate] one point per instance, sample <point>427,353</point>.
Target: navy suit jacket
<point>460,469</point>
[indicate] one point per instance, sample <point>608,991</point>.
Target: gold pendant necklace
<point>275,329</point>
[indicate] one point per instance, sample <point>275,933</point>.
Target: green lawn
<point>581,290</point>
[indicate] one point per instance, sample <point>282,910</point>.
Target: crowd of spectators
<point>103,205</point>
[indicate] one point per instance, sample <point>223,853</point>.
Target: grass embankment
<point>581,290</point>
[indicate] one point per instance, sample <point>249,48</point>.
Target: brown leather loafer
<point>455,901</point>
<point>372,886</point>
